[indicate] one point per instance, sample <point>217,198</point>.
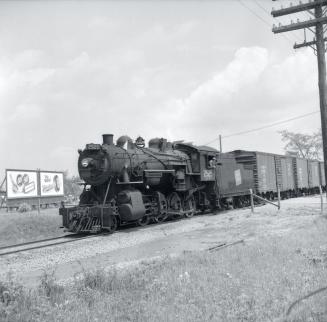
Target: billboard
<point>21,184</point>
<point>51,184</point>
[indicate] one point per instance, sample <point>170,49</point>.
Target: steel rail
<point>36,241</point>
<point>46,245</point>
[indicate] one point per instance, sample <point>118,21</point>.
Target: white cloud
<point>27,59</point>
<point>293,78</point>
<point>208,99</point>
<point>251,91</point>
<point>246,68</point>
<point>26,113</point>
<point>80,61</point>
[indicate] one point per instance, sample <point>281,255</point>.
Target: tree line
<point>301,145</point>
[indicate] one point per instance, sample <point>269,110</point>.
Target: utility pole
<point>317,44</point>
<point>221,147</point>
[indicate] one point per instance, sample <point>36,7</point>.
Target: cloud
<point>30,77</point>
<point>252,90</point>
<point>27,59</point>
<point>293,78</point>
<point>26,113</point>
<point>246,68</point>
<point>80,61</point>
<point>210,98</point>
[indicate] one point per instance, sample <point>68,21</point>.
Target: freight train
<point>128,182</point>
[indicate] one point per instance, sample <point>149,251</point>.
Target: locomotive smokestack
<point>108,139</point>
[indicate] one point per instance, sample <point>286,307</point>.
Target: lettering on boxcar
<point>263,170</point>
<point>300,177</point>
<point>238,177</point>
<point>289,170</point>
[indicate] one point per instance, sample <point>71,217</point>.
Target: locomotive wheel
<point>143,221</point>
<point>113,226</point>
<point>163,212</point>
<point>160,218</point>
<point>175,204</point>
<point>190,207</point>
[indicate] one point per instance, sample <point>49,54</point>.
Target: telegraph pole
<point>221,147</point>
<point>318,45</point>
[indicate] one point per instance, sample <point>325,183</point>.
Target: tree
<point>71,185</point>
<point>303,145</point>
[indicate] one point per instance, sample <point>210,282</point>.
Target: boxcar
<point>301,175</point>
<point>322,174</point>
<point>233,178</point>
<point>313,175</point>
<point>264,170</point>
<point>285,175</point>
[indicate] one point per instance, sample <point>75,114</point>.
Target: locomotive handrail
<point>152,155</point>
<point>155,170</point>
<point>106,195</point>
<point>130,182</point>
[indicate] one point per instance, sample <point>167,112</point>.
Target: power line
<point>259,17</point>
<point>268,13</point>
<point>253,12</point>
<point>264,127</point>
<point>272,124</point>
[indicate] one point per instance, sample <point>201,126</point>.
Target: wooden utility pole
<point>318,45</point>
<point>220,145</point>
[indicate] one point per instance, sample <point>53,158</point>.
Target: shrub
<point>50,288</point>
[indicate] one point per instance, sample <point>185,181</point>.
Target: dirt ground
<point>296,219</point>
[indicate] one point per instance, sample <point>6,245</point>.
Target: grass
<point>18,227</point>
<point>255,281</point>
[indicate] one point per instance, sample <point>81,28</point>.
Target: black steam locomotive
<point>128,183</point>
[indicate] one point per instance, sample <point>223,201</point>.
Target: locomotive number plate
<point>92,146</point>
<point>208,175</point>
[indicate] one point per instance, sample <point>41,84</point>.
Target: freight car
<point>293,176</point>
<point>263,167</point>
<point>285,175</point>
<point>322,175</point>
<point>128,183</point>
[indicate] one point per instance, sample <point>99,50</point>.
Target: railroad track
<point>22,247</point>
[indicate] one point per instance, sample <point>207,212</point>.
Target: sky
<point>71,71</point>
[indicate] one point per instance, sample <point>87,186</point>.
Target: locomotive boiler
<point>127,183</point>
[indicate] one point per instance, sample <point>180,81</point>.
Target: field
<point>18,227</point>
<point>264,278</point>
<point>255,281</point>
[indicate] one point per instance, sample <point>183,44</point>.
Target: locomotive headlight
<point>85,162</point>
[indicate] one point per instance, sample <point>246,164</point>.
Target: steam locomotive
<point>128,182</point>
